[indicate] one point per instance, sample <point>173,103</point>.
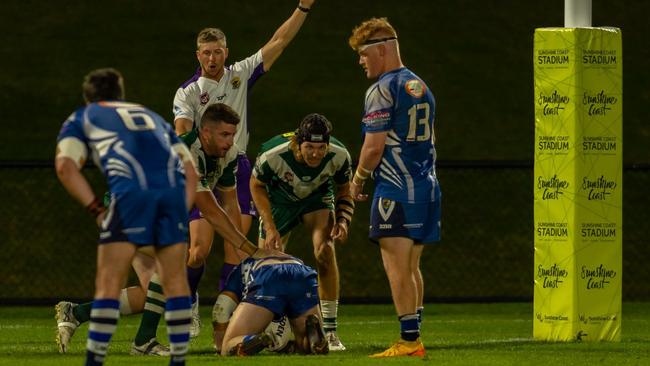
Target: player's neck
<point>216,77</point>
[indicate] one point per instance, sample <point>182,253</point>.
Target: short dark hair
<point>103,84</point>
<point>220,112</point>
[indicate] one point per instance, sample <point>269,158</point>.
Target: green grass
<point>458,334</point>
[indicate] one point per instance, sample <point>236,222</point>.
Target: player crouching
<point>260,295</point>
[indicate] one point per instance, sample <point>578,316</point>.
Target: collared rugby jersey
<point>194,96</point>
<point>289,181</point>
<point>212,171</point>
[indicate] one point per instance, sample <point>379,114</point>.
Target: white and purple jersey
<point>194,96</point>
<point>401,104</point>
<point>132,145</point>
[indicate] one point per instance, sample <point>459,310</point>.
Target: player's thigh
<point>396,255</point>
<point>172,270</point>
<point>144,264</point>
<point>113,262</point>
<point>201,235</point>
<point>247,319</point>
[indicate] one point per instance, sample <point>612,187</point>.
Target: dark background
<point>476,56</point>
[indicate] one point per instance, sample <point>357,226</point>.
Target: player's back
<point>407,169</point>
<point>132,145</point>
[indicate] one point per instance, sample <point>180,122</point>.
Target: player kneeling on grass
<point>268,286</point>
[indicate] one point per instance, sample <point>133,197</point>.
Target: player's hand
<point>273,239</point>
<point>306,3</point>
<point>356,191</point>
<point>340,231</point>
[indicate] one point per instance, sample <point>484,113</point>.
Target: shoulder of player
<point>339,150</point>
<point>276,144</point>
<point>191,138</point>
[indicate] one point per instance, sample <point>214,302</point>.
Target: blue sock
<point>103,321</point>
<point>409,327</point>
<point>225,272</point>
<point>178,314</point>
<point>193,278</point>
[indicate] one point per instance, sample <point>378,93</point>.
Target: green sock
<point>153,309</point>
<point>82,312</point>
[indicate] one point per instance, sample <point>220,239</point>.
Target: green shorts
<point>287,217</point>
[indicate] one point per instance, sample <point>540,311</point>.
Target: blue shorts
<point>417,221</point>
<point>284,289</point>
<point>155,217</point>
<point>243,176</point>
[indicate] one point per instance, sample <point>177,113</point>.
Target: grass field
<point>454,334</point>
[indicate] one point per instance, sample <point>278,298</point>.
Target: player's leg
<point>397,253</point>
<point>302,309</point>
<point>113,262</point>
<point>319,223</point>
<point>232,256</point>
<point>245,334</point>
<point>419,281</point>
<point>70,315</point>
<point>153,305</point>
<point>178,313</point>
<point>308,332</point>
<point>201,236</point>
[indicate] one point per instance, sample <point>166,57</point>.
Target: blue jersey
<point>401,104</point>
<point>129,143</point>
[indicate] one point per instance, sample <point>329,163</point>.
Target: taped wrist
<point>345,209</point>
<point>223,309</point>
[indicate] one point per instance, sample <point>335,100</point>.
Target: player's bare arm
<point>222,224</point>
<point>285,34</point>
<point>370,156</point>
<point>182,125</point>
<point>263,205</point>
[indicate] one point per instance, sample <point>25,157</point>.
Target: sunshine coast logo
<point>552,188</point>
<point>597,278</point>
<point>599,103</point>
<point>552,276</point>
<point>415,88</point>
<point>552,104</point>
<point>598,189</point>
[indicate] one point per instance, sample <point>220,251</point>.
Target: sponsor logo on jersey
<point>306,178</point>
<point>288,176</point>
<point>415,88</point>
<point>236,82</point>
<point>204,98</point>
<point>288,134</point>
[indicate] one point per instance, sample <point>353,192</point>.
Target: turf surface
<point>454,334</point>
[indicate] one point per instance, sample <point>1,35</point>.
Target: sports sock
<point>81,312</point>
<point>225,272</point>
<point>420,310</point>
<point>409,328</point>
<point>103,322</point>
<point>178,313</point>
<point>153,309</point>
<point>329,310</point>
<point>193,278</point>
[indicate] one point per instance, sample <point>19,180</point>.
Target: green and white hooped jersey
<point>212,171</point>
<point>289,181</point>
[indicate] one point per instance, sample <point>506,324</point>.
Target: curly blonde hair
<point>369,28</point>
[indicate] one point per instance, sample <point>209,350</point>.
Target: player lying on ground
<point>271,285</point>
<point>210,148</point>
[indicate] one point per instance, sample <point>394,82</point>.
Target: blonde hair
<point>294,146</point>
<point>370,28</point>
<point>210,35</point>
